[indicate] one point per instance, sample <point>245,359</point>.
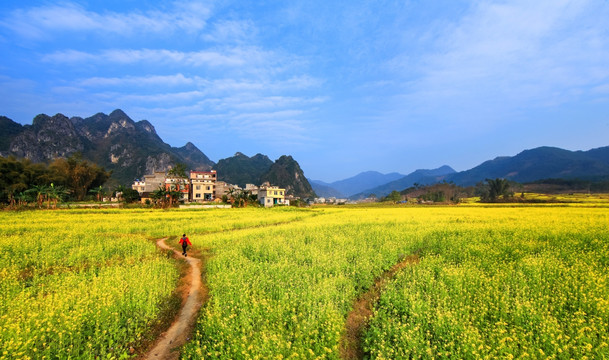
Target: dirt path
<point>351,341</point>
<point>194,294</point>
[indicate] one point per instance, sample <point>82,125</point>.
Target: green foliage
<point>394,196</point>
<point>444,192</point>
<point>178,171</point>
<point>494,190</point>
<point>130,195</point>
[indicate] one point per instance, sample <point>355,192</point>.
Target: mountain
<point>130,149</point>
<point>419,176</point>
<point>325,190</point>
<point>9,130</point>
<point>354,184</point>
<point>539,163</point>
<point>363,181</point>
<point>286,173</point>
<point>241,169</point>
<point>193,155</point>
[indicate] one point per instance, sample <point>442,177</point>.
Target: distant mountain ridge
<point>421,176</point>
<point>539,163</point>
<point>527,166</point>
<point>325,190</point>
<point>354,184</point>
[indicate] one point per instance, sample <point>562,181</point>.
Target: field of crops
<point>497,281</point>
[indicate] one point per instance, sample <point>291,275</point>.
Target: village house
<point>252,189</point>
<point>177,184</point>
<point>271,195</point>
<point>223,188</point>
<point>203,185</point>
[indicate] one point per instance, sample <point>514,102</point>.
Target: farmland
<point>491,281</point>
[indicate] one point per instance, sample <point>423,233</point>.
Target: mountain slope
<point>324,189</point>
<point>9,129</point>
<point>419,176</point>
<point>539,163</point>
<point>363,181</point>
<point>286,173</point>
<point>241,169</point>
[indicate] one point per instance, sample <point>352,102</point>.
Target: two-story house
<point>271,195</point>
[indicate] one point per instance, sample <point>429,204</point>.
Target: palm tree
<point>23,198</point>
<point>231,194</point>
<point>244,197</point>
<point>56,194</point>
<point>40,192</point>
<point>99,192</point>
<point>160,195</point>
<point>118,191</point>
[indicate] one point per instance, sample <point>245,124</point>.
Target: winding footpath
<point>167,347</point>
<point>357,319</point>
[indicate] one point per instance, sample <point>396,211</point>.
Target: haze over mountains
<point>132,149</point>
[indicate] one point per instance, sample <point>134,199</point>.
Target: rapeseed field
<point>491,281</point>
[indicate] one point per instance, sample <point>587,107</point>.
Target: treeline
<point>494,190</point>
<point>23,182</point>
<point>598,184</point>
<point>490,190</point>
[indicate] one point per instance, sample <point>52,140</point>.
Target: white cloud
<point>39,22</point>
<point>165,80</point>
<point>231,57</point>
<point>231,31</point>
<point>211,86</point>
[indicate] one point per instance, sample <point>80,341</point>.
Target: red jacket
<point>185,241</point>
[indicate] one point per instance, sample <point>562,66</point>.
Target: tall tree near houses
<point>79,175</point>
<point>178,174</point>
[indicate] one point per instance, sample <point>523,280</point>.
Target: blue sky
<point>343,86</point>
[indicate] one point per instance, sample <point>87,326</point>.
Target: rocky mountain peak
<point>113,141</point>
<point>146,126</point>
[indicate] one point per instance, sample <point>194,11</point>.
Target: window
<point>198,187</point>
<point>198,195</point>
<point>208,188</point>
<point>275,193</point>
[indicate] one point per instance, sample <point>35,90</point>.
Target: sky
<point>342,86</point>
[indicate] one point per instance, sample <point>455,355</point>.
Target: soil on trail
<point>194,293</point>
<point>351,341</point>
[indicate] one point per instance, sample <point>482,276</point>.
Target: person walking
<point>185,242</point>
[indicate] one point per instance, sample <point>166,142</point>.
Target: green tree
<point>99,192</point>
<point>56,194</point>
<point>130,195</point>
<point>78,175</point>
<point>494,189</point>
<point>160,196</point>
<point>394,196</point>
<point>180,182</point>
<point>40,192</point>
